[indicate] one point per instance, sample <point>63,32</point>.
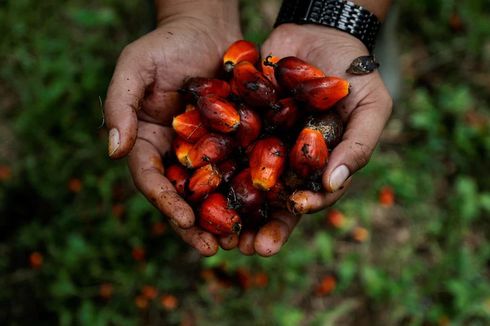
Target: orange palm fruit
<point>178,176</point>
<point>309,155</point>
<point>284,115</point>
<point>227,169</point>
<point>335,219</point>
<point>268,69</point>
<point>278,195</point>
<point>252,86</point>
<point>219,114</point>
<point>290,71</point>
<point>189,126</point>
<point>216,217</point>
<point>181,149</point>
<point>321,93</point>
<point>239,51</point>
<point>250,126</point>
<point>203,181</point>
<point>267,161</point>
<point>244,196</point>
<point>211,148</point>
<point>196,87</point>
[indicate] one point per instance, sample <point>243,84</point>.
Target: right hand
<point>142,100</point>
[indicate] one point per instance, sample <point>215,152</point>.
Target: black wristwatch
<point>342,15</point>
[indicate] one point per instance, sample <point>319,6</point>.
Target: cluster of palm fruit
<point>247,141</point>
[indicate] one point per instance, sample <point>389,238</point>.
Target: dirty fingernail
<point>114,141</point>
<point>338,177</point>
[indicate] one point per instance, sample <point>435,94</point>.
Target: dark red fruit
<point>219,114</point>
<point>203,181</point>
<point>216,217</point>
<point>278,195</point>
<point>309,155</point>
<point>196,87</point>
<point>321,93</point>
<point>250,126</point>
<point>245,197</point>
<point>267,160</point>
<point>290,71</point>
<point>252,86</point>
<point>284,115</point>
<point>211,148</point>
<point>227,169</point>
<point>178,176</point>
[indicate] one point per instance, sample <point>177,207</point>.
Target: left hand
<point>365,111</point>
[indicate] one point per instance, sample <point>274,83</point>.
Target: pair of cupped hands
<point>142,99</point>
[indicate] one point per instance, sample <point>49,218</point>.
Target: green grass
<point>427,259</point>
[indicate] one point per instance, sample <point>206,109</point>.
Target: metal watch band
<point>343,15</point>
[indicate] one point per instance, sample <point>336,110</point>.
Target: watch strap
<point>342,15</point>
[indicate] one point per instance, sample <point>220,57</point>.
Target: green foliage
<point>425,262</point>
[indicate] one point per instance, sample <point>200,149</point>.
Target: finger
<point>363,131</point>
<point>124,96</point>
<point>228,242</point>
<point>307,202</point>
<point>246,243</point>
<point>159,136</point>
<point>272,236</point>
<point>202,241</point>
<point>146,168</point>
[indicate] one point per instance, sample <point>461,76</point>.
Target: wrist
<point>220,13</point>
<point>343,15</point>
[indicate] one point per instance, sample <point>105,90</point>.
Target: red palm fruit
<point>189,126</point>
<point>267,160</point>
<point>309,154</point>
<point>227,169</point>
<point>196,87</point>
<point>290,71</point>
<point>321,93</point>
<point>386,196</point>
<point>203,181</point>
<point>211,148</point>
<point>239,51</point>
<point>268,69</point>
<point>330,125</point>
<point>250,126</point>
<point>284,114</point>
<point>335,219</point>
<point>252,86</point>
<point>216,217</point>
<point>243,193</point>
<point>178,176</point>
<point>219,114</point>
<point>181,149</point>
<point>277,196</point>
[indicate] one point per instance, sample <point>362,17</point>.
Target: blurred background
<point>408,245</point>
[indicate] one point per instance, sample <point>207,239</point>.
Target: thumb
<point>364,127</point>
<point>124,97</point>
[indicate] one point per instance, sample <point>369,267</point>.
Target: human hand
<point>142,99</point>
<point>365,112</point>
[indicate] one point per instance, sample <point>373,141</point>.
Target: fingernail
<point>114,141</point>
<point>338,177</point>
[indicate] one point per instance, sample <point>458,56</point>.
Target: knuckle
<point>361,154</point>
